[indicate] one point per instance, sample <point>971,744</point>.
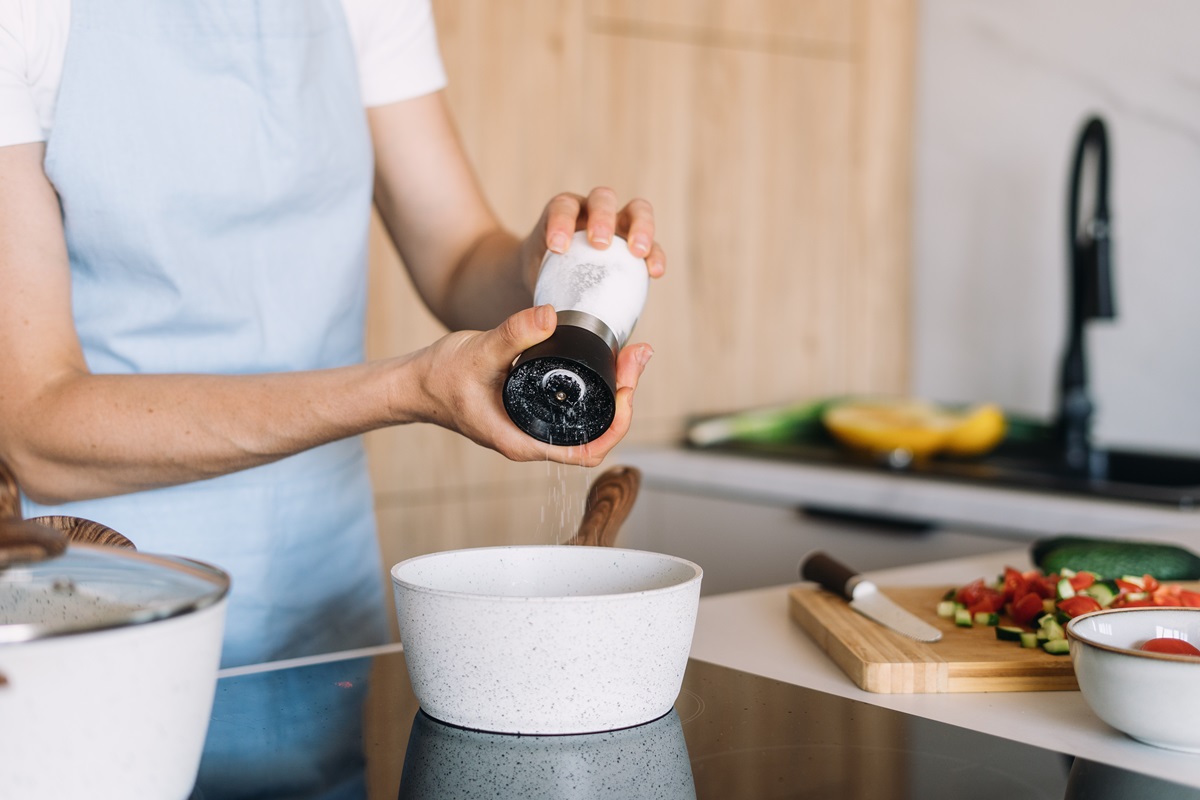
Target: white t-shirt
<point>395,40</point>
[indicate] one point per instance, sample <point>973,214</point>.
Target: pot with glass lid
<point>108,661</point>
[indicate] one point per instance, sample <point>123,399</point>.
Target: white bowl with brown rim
<point>1149,696</point>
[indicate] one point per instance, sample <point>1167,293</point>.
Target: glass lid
<point>93,587</point>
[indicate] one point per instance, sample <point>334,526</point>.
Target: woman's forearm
<point>96,435</point>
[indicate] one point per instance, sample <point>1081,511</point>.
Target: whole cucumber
<point>1112,558</point>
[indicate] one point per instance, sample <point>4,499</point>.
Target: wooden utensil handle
<point>26,544</point>
<point>10,493</point>
<point>78,529</point>
<point>830,573</point>
<point>609,502</point>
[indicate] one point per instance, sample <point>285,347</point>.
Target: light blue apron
<point>215,172</point>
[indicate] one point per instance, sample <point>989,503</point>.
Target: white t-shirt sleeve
<point>19,121</point>
<point>398,55</point>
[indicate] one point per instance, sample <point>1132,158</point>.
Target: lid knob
<point>24,542</point>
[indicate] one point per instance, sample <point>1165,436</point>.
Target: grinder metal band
<point>581,319</point>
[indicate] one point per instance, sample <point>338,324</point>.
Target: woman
<point>185,190</point>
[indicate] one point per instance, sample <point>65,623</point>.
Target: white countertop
<point>752,631</point>
<point>899,495</point>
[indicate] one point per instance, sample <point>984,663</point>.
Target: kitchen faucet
<point>1091,297</point>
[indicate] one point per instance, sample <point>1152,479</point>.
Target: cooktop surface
<point>349,729</point>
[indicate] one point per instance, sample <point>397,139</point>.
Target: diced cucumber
<point>1064,590</point>
<point>1008,633</point>
<point>1048,606</point>
<point>1067,572</point>
<point>1029,639</point>
<point>1136,596</point>
<point>962,618</point>
<point>1136,580</point>
<point>1103,592</point>
<point>1058,647</point>
<point>950,594</point>
<point>946,609</point>
<point>987,618</point>
<point>1052,629</point>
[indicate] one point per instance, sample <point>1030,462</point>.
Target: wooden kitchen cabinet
<point>772,137</point>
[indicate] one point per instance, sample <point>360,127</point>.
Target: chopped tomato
<point>1024,596</point>
<point>1026,609</point>
<point>1015,584</point>
<point>1122,602</point>
<point>978,594</point>
<point>970,594</point>
<point>1127,586</point>
<point>1046,586</point>
<point>1082,580</point>
<point>989,604</point>
<point>1167,645</point>
<point>991,601</point>
<point>1077,605</point>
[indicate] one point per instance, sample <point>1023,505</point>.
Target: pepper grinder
<point>563,391</point>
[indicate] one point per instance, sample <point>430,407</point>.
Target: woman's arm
<point>69,434</point>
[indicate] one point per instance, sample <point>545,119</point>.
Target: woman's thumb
<point>524,329</point>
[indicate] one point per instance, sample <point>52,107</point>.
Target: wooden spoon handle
<point>10,493</point>
<point>78,529</point>
<point>609,502</point>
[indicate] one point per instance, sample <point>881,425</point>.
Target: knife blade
<point>865,597</point>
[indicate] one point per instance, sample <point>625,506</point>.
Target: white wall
<point>1003,88</point>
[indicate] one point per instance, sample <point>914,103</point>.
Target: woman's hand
<point>599,215</point>
<point>461,378</point>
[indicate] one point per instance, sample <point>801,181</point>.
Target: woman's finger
<point>601,210</point>
<point>562,220</point>
<point>636,223</point>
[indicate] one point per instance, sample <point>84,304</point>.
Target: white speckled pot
<point>546,639</point>
<point>108,665</point>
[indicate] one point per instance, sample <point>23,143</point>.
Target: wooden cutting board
<point>965,660</point>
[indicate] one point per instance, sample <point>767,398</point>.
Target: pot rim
<point>606,597</point>
<point>22,632</point>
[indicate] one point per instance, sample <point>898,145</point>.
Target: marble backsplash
<point>1003,88</point>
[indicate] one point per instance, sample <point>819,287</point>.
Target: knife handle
<point>833,575</point>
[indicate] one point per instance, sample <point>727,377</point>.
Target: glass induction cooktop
<point>351,729</point>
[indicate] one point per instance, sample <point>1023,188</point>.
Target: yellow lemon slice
<point>884,425</point>
<point>980,430</point>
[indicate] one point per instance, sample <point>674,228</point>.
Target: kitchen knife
<point>865,597</point>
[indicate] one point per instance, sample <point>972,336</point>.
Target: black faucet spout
<point>1091,296</point>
